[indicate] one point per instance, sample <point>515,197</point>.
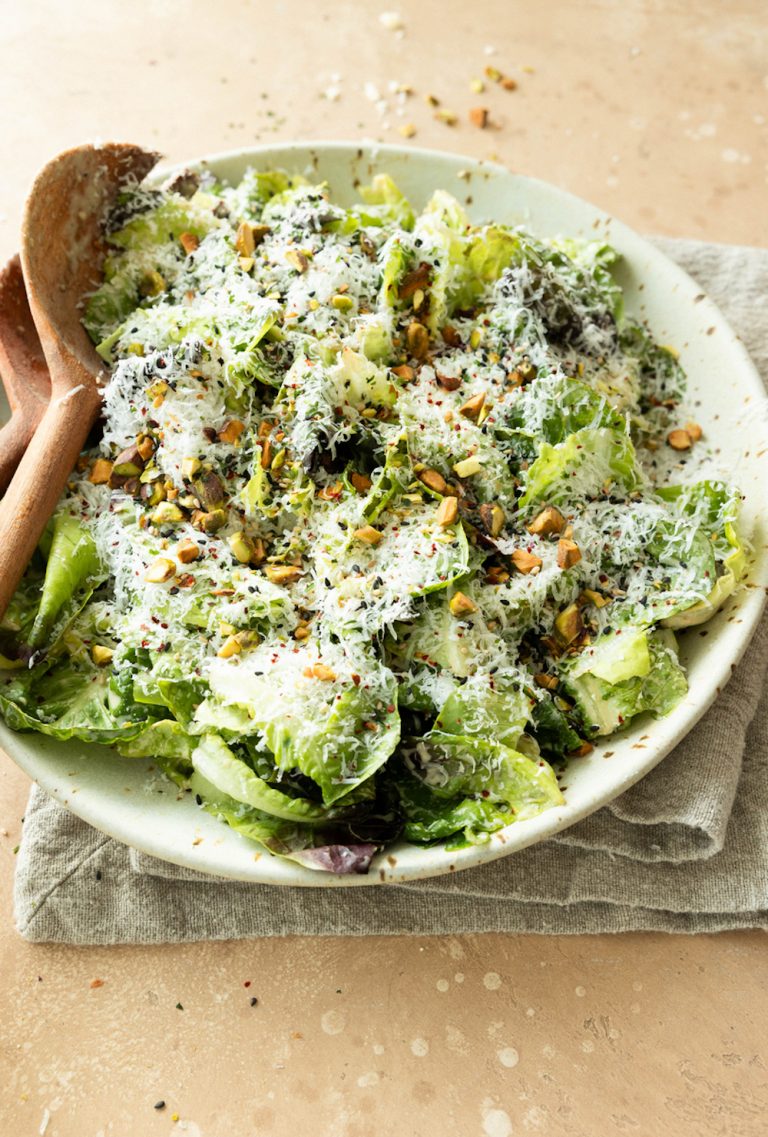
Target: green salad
<point>386,522</point>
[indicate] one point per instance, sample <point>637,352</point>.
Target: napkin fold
<point>685,850</point>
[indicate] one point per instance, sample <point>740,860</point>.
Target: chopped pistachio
<point>297,260</point>
<point>246,263</point>
<point>694,431</point>
<point>341,302</point>
<point>568,625</point>
<point>467,467</point>
<point>210,489</point>
<point>259,233</point>
<point>187,551</point>
<point>449,382</point>
<point>153,493</point>
<point>550,682</point>
<point>477,86</point>
<point>589,596</point>
<point>229,648</point>
<point>282,574</point>
<point>404,372</point>
<point>145,444</point>
<point>526,370</point>
<point>461,605</point>
<point>568,553</point>
<point>361,483</point>
<point>433,480</point>
<point>231,431</point>
<point>189,242</point>
<point>447,511</point>
<point>320,671</point>
<point>369,535</point>
<point>129,463</point>
<point>407,129</point>
<point>450,118</point>
<point>151,284</point>
<point>101,471</point>
<point>101,656</point>
<point>679,440</point>
<point>266,454</point>
<point>496,575</point>
<point>190,467</point>
<point>166,513</point>
<point>548,522</point>
<point>245,242</point>
<point>417,340</point>
<point>526,562</point>
<point>301,633</point>
<point>475,338</point>
<point>242,546</point>
<point>278,461</point>
<point>248,638</point>
<point>160,570</point>
<point>473,406</point>
<point>416,280</point>
<point>159,387</point>
<point>492,517</point>
<point>210,521</point>
<point>581,751</point>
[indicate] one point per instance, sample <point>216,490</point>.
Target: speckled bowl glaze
<point>129,800</point>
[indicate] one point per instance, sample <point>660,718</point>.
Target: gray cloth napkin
<point>686,850</point>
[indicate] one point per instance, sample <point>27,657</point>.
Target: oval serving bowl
<point>129,800</point>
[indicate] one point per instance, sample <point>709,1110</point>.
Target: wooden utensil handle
<point>39,480</point>
<point>14,439</point>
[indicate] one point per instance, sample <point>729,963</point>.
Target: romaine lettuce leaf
<point>73,570</point>
<point>581,466</point>
<point>620,675</point>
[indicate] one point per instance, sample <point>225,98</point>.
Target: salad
<point>387,520</point>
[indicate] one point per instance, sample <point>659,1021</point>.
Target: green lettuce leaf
<point>581,466</point>
<point>71,574</point>
<point>622,674</point>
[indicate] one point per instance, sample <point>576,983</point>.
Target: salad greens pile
<point>376,534</point>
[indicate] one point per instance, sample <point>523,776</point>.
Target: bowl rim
<point>409,862</point>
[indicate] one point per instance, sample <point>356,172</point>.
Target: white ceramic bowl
<point>130,801</point>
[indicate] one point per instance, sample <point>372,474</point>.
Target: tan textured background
<point>656,111</point>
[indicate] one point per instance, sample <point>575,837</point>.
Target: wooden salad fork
<point>62,252</point>
<point>23,370</point>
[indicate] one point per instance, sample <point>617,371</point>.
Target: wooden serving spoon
<point>23,370</point>
<point>62,252</point>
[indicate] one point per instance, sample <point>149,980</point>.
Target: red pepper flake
<point>247,983</point>
<point>97,983</point>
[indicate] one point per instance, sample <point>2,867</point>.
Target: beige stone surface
<point>656,111</point>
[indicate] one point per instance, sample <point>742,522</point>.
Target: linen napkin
<point>686,850</point>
